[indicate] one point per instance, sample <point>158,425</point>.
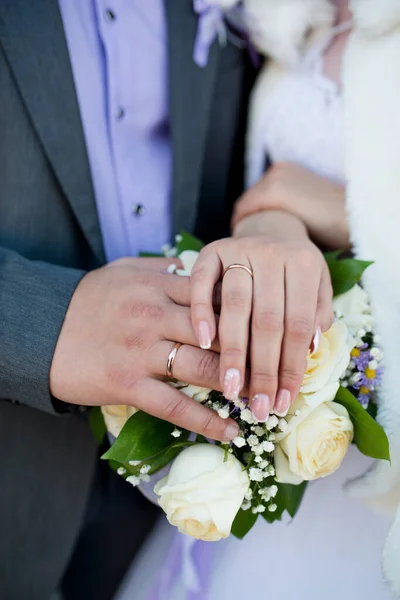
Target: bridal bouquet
<point>214,489</point>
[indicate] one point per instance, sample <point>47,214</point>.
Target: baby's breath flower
<point>272,422</point>
<point>272,507</point>
<point>134,463</point>
<point>247,416</point>
<point>269,471</point>
<point>121,471</point>
<point>133,480</point>
<point>256,474</point>
<point>271,437</point>
<point>258,509</point>
<point>176,433</point>
<point>268,446</point>
<point>258,459</point>
<point>264,464</point>
<point>246,505</point>
<point>249,494</point>
<point>239,404</point>
<point>258,450</point>
<point>258,430</point>
<point>283,424</point>
<point>145,469</point>
<point>252,440</point>
<point>273,490</point>
<point>223,412</point>
<point>239,441</point>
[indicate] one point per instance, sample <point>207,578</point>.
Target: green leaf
<point>142,436</point>
<point>188,242</point>
<point>288,499</point>
<point>332,257</point>
<point>369,436</point>
<point>97,424</point>
<point>150,255</point>
<point>345,273</point>
<point>243,522</point>
<point>291,496</point>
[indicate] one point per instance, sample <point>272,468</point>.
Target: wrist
<point>276,224</point>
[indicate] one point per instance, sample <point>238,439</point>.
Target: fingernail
<point>204,335</point>
<point>282,403</point>
<point>232,384</point>
<point>261,407</point>
<point>316,340</point>
<point>231,431</point>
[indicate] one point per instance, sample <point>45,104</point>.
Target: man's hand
<point>122,322</point>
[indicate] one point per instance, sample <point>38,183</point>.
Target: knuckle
<point>200,306</point>
<point>306,258</point>
<point>234,354</point>
<point>176,407</point>
<point>268,321</point>
<point>118,379</point>
<point>299,329</point>
<point>264,380</point>
<point>136,341</point>
<point>208,367</point>
<point>146,310</point>
<point>235,299</point>
<point>199,275</point>
<point>212,427</point>
<point>291,377</point>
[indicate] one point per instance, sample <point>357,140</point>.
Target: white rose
<point>316,439</point>
<point>353,309</point>
<point>331,359</point>
<point>203,492</point>
<point>187,258</point>
<point>116,416</point>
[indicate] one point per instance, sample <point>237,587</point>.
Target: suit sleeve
<point>34,297</point>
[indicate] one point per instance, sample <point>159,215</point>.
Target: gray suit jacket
<point>49,237</point>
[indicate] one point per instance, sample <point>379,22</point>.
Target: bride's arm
<point>317,201</point>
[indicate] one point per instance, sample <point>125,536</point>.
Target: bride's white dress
<point>333,547</point>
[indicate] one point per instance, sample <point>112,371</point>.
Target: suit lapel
<point>191,91</point>
<point>33,38</point>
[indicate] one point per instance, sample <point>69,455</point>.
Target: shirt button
<point>119,113</point>
<point>138,209</point>
<point>109,15</point>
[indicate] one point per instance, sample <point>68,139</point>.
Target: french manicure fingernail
<point>204,335</point>
<point>316,340</point>
<point>261,407</point>
<point>282,403</point>
<point>231,431</point>
<point>232,384</point>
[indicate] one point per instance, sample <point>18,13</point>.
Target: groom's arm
<point>34,297</point>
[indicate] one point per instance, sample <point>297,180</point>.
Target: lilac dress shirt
<point>118,51</point>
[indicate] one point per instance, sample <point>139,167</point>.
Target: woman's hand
<point>276,313</point>
<point>315,200</point>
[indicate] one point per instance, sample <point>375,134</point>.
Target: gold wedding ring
<point>171,359</point>
<point>238,266</point>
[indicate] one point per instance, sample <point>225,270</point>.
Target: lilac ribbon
<point>189,562</point>
<point>211,25</point>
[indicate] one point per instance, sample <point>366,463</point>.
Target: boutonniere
<point>215,16</point>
